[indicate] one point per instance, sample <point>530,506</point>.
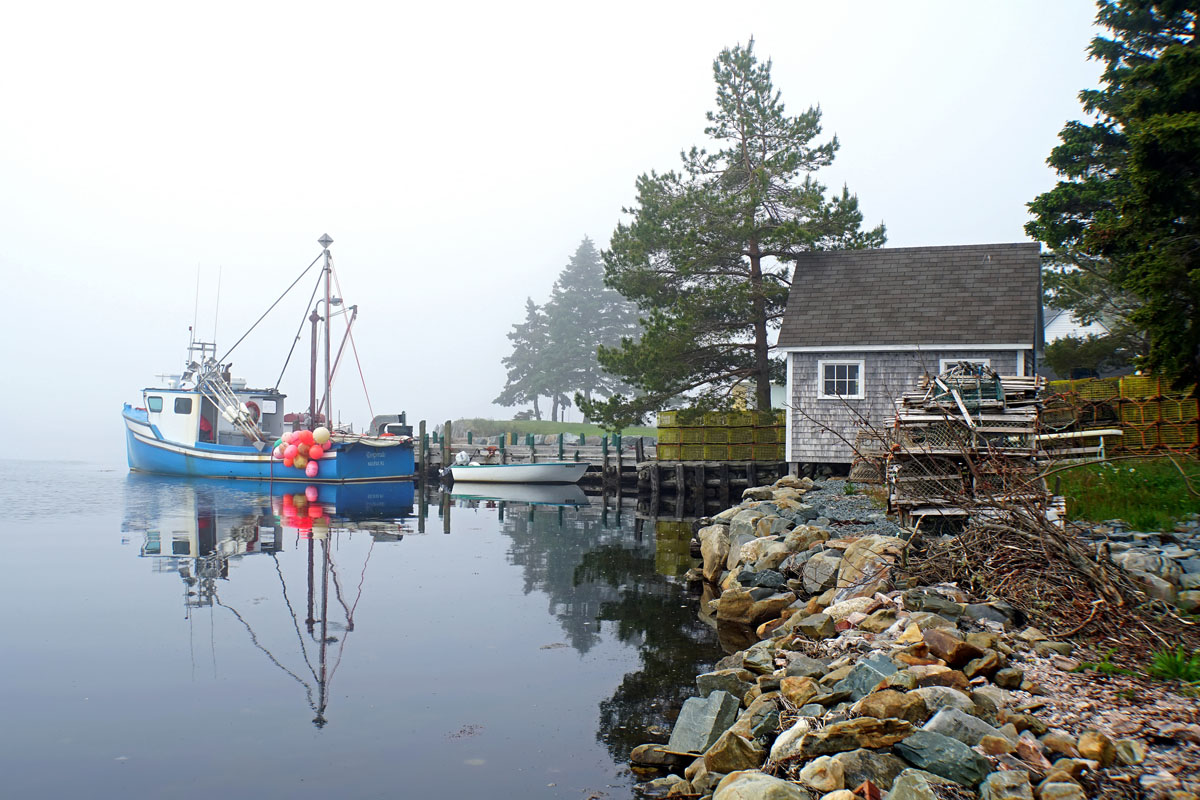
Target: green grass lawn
<point>1149,494</point>
<point>492,427</point>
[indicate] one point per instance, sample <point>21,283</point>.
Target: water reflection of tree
<point>593,575</point>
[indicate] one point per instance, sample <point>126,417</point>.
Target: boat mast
<point>325,241</point>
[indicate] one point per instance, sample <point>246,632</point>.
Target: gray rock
<point>996,611</point>
<point>861,765</point>
<point>760,658</point>
<point>938,697</point>
<point>736,540</point>
<point>918,600</point>
<point>1155,587</point>
<point>1146,561</point>
<point>767,579</point>
<point>733,681</point>
<point>701,722</point>
<point>821,571</point>
<point>801,666</point>
<point>960,725</point>
<point>752,785</point>
<point>758,493</point>
<point>916,784</point>
<point>745,522</point>
<point>817,626</point>
<point>941,755</point>
<point>1009,784</point>
<point>881,663</point>
<point>861,681</point>
<point>811,710</point>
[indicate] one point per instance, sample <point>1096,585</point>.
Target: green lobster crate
<point>1138,387</point>
<point>1178,436</point>
<point>692,452</point>
<point>741,435</point>
<point>716,435</point>
<point>770,435</point>
<point>668,452</point>
<point>692,435</point>
<point>716,452</point>
<point>768,452</point>
<point>669,435</point>
<point>741,452</point>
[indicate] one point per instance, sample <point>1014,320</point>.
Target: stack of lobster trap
<point>964,438</point>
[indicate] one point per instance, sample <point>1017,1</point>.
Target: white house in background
<point>1060,324</point>
<point>861,326</point>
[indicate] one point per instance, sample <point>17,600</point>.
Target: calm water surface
<point>176,639</point>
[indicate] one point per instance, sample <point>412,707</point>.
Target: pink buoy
<point>287,437</point>
<point>278,453</point>
<point>315,452</point>
<point>311,469</point>
<point>291,451</point>
<point>311,493</point>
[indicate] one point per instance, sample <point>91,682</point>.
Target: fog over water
<point>456,154</point>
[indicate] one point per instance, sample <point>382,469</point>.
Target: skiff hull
<point>548,472</point>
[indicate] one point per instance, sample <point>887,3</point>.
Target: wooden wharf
<point>680,488</point>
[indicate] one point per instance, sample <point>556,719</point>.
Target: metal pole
<point>328,363</point>
<point>312,382</point>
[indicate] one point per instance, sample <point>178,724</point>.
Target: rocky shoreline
<point>844,685</point>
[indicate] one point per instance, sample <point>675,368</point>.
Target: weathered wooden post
<point>422,451</point>
<point>532,449</point>
<point>561,439</point>
<point>655,487</point>
<point>503,450</point>
<point>700,489</point>
<point>446,511</point>
<point>604,460</point>
<point>723,481</point>
<point>447,445</point>
<point>470,437</point>
<point>680,489</point>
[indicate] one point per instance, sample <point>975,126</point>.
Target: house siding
<point>817,427</point>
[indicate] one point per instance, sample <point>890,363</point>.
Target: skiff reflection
<point>199,528</point>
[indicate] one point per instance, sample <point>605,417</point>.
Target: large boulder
<point>820,572</point>
<point>753,606</point>
<point>1152,563</point>
<point>714,549</point>
<point>732,752</point>
<point>861,765</point>
<point>804,537</point>
<point>736,541</point>
<point>823,775</point>
<point>735,681</point>
<point>961,726</point>
<point>941,755</point>
<point>701,722</point>
<point>916,784</point>
<point>939,697</point>
<point>745,522</point>
<point>755,785</point>
<point>853,734</point>
<point>868,561</point>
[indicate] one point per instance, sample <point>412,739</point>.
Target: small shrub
<point>1175,665</point>
<point>1104,666</point>
<point>848,488</point>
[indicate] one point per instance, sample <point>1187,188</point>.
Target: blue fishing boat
<point>206,423</point>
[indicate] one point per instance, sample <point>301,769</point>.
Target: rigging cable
<point>354,347</point>
<point>296,340</point>
<point>268,311</point>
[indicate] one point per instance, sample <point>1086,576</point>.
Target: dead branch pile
<point>1064,587</point>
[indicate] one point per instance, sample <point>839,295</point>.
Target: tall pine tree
<point>708,253</point>
<point>527,377</point>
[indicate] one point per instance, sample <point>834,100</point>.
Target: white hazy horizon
<point>456,154</point>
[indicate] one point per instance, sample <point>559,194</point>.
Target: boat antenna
<point>196,306</point>
<point>217,310</point>
<point>325,241</point>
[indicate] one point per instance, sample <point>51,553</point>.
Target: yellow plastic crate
<point>1180,409</point>
<point>1178,437</point>
<point>716,435</point>
<point>737,419</point>
<point>1139,437</point>
<point>692,452</point>
<point>741,452</point>
<point>1140,386</point>
<point>770,435</point>
<point>741,435</point>
<point>718,419</point>
<point>1098,388</point>
<point>768,452</point>
<point>692,435</point>
<point>716,452</point>
<point>669,435</point>
<point>1140,413</point>
<point>668,419</point>
<point>668,452</point>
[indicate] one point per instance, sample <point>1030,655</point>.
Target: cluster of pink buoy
<point>303,449</point>
<point>304,513</point>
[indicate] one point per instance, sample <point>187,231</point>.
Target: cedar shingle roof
<point>968,294</point>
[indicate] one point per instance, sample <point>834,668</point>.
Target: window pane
<point>268,406</point>
<point>183,405</point>
<point>154,404</point>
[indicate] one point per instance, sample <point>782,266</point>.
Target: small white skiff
<point>545,472</point>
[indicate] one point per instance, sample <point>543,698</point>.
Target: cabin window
<point>840,380</point>
<point>183,405</point>
<point>268,406</point>
<point>946,363</point>
<point>154,404</point>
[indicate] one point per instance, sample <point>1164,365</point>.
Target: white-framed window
<point>268,406</point>
<point>840,380</point>
<point>946,363</point>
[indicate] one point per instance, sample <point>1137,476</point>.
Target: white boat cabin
<point>188,417</point>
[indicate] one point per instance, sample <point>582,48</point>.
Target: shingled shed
<point>861,327</point>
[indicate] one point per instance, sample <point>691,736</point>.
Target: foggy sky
<point>457,155</point>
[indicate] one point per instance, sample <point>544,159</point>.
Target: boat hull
<point>548,472</point>
<point>147,451</point>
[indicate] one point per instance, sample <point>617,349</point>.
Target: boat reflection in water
<point>197,528</point>
<point>534,494</point>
